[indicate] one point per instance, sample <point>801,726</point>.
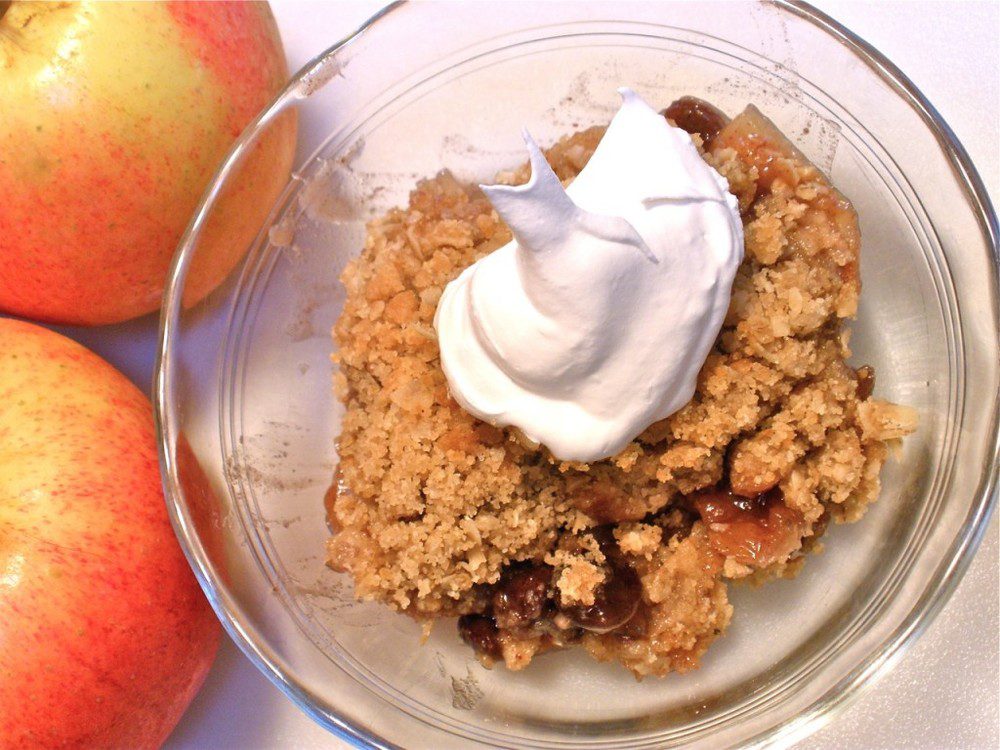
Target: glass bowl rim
<point>880,659</point>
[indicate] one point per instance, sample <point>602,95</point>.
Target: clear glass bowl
<point>248,419</point>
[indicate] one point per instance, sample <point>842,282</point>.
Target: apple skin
<point>115,116</point>
<point>105,635</point>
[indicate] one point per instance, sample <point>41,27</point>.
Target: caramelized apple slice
<point>754,531</point>
<point>758,141</point>
<point>829,226</point>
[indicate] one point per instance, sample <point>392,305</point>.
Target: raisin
<point>722,506</point>
<point>697,116</point>
<point>866,381</point>
<point>481,632</point>
<point>615,601</point>
<point>637,626</point>
<point>617,598</point>
<point>521,596</point>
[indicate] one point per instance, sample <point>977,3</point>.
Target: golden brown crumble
<point>446,515</point>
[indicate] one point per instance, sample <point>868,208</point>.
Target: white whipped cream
<point>593,322</point>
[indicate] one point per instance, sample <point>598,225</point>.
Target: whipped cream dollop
<point>593,322</point>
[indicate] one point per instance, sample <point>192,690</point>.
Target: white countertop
<point>944,693</point>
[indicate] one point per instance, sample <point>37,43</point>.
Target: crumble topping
<point>440,514</point>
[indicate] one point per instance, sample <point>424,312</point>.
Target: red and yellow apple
<point>113,119</point>
<point>105,636</point>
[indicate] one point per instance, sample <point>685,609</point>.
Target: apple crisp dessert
<point>438,514</point>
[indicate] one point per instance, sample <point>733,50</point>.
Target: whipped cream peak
<point>594,321</point>
<point>541,215</point>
